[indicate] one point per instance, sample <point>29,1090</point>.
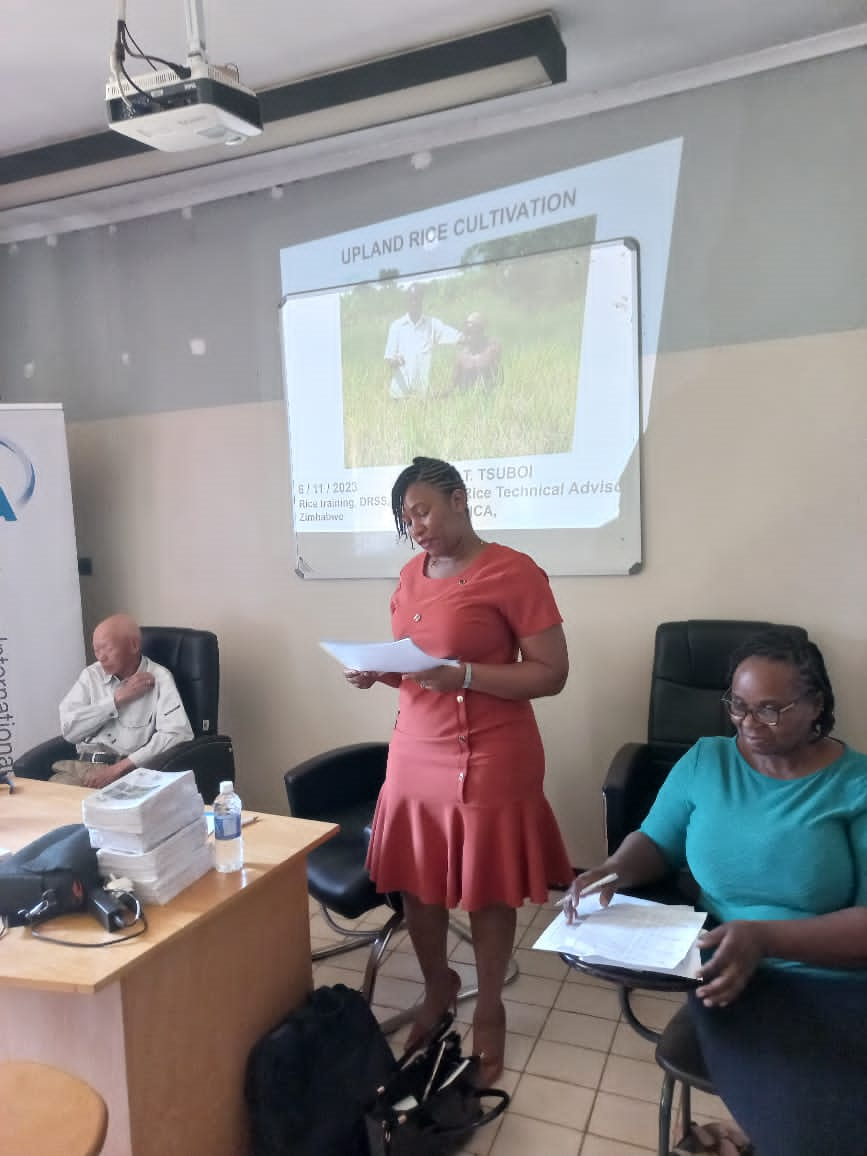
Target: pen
<point>591,888</point>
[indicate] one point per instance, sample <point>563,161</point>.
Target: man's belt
<point>97,757</point>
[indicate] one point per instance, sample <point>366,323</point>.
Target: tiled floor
<point>583,1083</point>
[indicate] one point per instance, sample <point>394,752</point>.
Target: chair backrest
<point>690,675</point>
<point>193,657</point>
<point>336,781</point>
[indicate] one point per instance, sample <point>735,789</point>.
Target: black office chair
<point>689,677</point>
<point>341,786</point>
<point>193,657</point>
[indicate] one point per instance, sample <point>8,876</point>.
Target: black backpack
<point>310,1078</point>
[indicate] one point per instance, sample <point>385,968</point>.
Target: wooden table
<point>162,1025</point>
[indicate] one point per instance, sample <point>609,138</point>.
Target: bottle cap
<point>227,787</point>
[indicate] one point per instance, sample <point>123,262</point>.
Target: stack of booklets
<point>150,827</point>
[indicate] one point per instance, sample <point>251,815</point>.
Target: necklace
<point>463,559</point>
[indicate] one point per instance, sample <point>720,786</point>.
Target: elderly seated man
<point>123,710</point>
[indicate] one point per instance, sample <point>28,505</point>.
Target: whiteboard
<point>547,437</point>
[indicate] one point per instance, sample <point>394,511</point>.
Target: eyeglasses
<point>768,715</point>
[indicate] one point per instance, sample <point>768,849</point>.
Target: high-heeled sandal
<point>489,1044</point>
<point>427,1018</point>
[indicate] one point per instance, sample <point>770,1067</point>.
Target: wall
<point>753,460</point>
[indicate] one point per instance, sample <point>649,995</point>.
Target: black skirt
<point>789,1059</point>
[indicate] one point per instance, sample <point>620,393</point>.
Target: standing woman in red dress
<point>461,819</point>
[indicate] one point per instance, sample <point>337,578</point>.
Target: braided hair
<point>805,658</point>
<point>430,471</point>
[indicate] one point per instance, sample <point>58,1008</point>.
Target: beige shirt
<point>139,729</point>
<point>414,341</point>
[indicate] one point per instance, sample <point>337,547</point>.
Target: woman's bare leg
<point>428,924</point>
<point>493,931</point>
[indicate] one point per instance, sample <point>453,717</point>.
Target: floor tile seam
<point>553,1006</point>
<point>598,1136</point>
<point>605,1019</point>
<point>628,1096</point>
<point>538,1034</point>
<point>550,1006</point>
<point>546,1120</point>
<point>593,1104</point>
<point>592,1015</point>
<point>561,1079</point>
<point>586,1047</point>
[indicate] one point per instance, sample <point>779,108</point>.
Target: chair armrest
<point>624,766</point>
<point>36,763</point>
<point>636,773</point>
<point>618,790</point>
<point>336,780</point>
<point>209,757</point>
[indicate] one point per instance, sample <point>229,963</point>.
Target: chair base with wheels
<point>379,939</point>
<point>341,786</point>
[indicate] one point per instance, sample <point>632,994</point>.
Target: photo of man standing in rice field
<point>479,361</point>
<point>410,344</point>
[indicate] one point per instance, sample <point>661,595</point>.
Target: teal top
<point>765,848</point>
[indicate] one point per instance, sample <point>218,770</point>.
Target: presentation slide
<point>500,332</point>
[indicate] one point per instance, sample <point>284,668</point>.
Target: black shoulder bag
<point>432,1103</point>
<point>50,876</point>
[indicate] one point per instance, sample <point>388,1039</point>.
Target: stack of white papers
<point>139,800</point>
<point>169,884</point>
<point>165,888</point>
<point>150,827</point>
<point>401,657</point>
<point>155,830</point>
<point>630,933</point>
<point>166,858</point>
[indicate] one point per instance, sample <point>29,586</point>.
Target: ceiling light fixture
<point>501,61</point>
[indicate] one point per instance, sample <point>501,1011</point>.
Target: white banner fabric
<point>41,635</point>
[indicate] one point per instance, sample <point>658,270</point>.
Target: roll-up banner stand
<point>41,635</point>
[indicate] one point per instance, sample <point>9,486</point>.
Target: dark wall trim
<point>68,154</point>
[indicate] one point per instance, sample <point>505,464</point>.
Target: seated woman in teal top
<point>772,824</point>
<point>765,848</point>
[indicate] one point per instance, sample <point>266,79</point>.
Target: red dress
<point>461,818</point>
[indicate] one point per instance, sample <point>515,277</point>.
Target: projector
<point>172,113</point>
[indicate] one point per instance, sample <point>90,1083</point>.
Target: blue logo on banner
<point>16,493</point>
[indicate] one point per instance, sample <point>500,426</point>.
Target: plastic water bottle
<point>228,841</point>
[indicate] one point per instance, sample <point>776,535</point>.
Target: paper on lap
<point>632,933</point>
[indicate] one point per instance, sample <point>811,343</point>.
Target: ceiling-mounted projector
<point>167,112</point>
<point>178,106</point>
